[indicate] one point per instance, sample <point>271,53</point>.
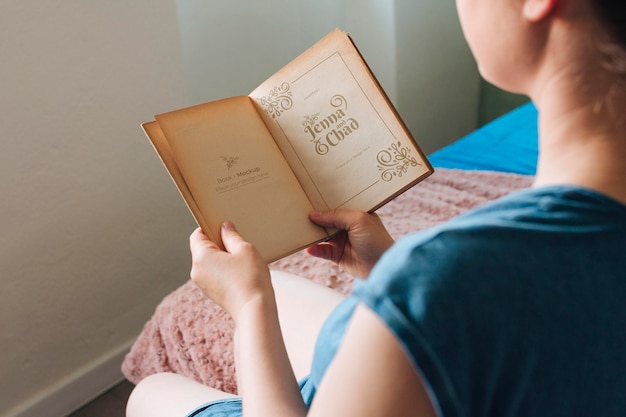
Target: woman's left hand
<point>231,278</point>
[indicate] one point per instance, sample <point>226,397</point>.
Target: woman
<point>513,309</point>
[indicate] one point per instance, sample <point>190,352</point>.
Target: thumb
<point>231,237</point>
<point>333,218</point>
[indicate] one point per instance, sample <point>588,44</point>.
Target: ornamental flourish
<point>395,161</point>
<point>230,161</point>
<point>278,100</point>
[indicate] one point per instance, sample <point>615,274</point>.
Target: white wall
<point>93,232</point>
<point>438,82</point>
<point>93,235</point>
<point>415,48</point>
<point>229,48</point>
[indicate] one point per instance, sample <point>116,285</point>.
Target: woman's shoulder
<point>536,232</point>
<point>550,209</point>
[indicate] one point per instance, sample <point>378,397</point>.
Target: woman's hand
<point>231,278</point>
<point>358,248</point>
<point>238,279</point>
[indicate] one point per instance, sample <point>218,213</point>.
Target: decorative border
<point>395,161</point>
<point>278,100</point>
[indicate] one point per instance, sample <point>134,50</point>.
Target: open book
<point>319,134</point>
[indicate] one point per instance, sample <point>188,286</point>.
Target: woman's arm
<point>265,378</point>
<point>371,375</point>
<point>239,280</point>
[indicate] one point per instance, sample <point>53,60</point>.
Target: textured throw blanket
<point>190,335</point>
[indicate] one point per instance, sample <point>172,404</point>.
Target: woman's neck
<point>581,142</point>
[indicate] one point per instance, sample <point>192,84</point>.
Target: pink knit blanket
<point>190,335</point>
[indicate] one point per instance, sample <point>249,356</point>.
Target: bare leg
<point>169,395</point>
<point>303,306</point>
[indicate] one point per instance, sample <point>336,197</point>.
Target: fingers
<point>199,241</point>
<point>331,250</point>
<point>322,250</point>
<point>339,219</point>
<point>233,241</point>
<point>197,236</point>
<point>230,237</point>
<point>323,218</point>
<point>349,220</point>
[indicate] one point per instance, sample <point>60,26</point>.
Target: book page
<point>235,171</point>
<point>338,129</point>
<point>159,142</point>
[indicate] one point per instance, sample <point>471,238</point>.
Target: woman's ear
<point>537,10</point>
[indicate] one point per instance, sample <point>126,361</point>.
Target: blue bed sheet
<point>507,144</point>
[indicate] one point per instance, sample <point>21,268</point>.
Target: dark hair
<point>613,15</point>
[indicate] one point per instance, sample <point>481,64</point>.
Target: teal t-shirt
<point>517,308</point>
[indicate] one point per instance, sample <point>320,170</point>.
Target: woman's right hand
<point>232,278</point>
<point>357,249</point>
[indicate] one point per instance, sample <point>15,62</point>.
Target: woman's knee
<point>169,394</point>
<point>142,397</point>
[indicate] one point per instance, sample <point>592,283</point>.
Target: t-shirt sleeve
<point>448,320</point>
<point>515,309</point>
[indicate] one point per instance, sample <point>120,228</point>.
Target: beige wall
<point>438,82</point>
<point>416,50</point>
<point>243,43</point>
<point>93,232</point>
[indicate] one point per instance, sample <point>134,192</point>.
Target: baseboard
<point>76,390</point>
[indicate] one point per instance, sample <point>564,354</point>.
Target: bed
<point>508,144</point>
<point>190,335</point>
